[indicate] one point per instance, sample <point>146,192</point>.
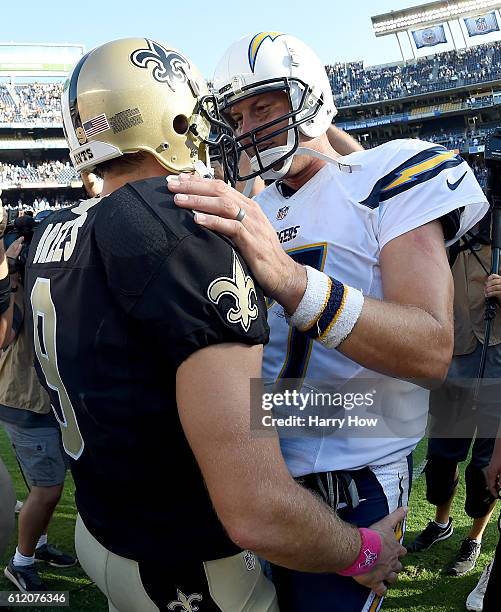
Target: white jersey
<point>339,222</point>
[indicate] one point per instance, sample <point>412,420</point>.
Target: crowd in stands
<point>40,101</point>
<point>352,83</point>
<point>459,139</point>
<point>7,106</point>
<point>31,103</point>
<point>45,172</point>
<point>35,204</point>
<point>450,140</point>
<point>478,167</point>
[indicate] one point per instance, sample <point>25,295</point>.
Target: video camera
<point>23,226</point>
<point>492,156</point>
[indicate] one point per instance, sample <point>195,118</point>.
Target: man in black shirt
<point>147,331</point>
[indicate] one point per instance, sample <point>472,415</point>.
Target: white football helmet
<point>271,61</point>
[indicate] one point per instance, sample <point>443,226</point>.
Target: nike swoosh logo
<point>455,185</point>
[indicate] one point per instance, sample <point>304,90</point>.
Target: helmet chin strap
<point>273,155</point>
<point>268,156</point>
<point>330,160</point>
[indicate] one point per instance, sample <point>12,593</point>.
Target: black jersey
<point>122,291</point>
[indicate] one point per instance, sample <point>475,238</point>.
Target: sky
<point>203,29</point>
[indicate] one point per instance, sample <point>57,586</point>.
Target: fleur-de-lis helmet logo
<point>185,602</point>
<point>241,288</point>
<point>168,66</point>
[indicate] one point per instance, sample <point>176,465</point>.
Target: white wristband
<point>346,319</point>
<point>329,309</point>
<point>313,301</point>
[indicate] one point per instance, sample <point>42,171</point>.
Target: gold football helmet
<point>134,95</point>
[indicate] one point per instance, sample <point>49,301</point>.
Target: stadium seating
<point>353,84</point>
<point>45,172</point>
<point>31,103</point>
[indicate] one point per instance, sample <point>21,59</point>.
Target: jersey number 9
<point>45,336</point>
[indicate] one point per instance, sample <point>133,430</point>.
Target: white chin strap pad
<point>341,166</point>
<point>270,156</point>
<point>275,153</point>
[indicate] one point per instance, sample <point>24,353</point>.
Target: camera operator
<point>26,415</point>
<point>7,497</point>
<point>486,594</point>
<point>451,407</point>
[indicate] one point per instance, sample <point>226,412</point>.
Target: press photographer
<point>7,496</point>
<point>493,293</point>
<point>22,233</point>
<point>26,416</point>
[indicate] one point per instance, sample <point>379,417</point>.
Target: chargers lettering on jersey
<point>415,170</point>
<point>54,243</point>
<point>287,234</point>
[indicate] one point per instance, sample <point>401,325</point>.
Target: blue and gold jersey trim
<point>415,170</point>
<point>332,308</point>
<point>256,43</point>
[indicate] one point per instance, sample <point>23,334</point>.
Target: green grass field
<point>421,585</point>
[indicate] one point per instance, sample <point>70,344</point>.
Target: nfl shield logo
<point>429,37</point>
<point>481,24</point>
<point>282,213</point>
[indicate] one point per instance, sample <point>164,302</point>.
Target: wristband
<point>370,551</point>
<point>313,301</point>
<point>329,309</point>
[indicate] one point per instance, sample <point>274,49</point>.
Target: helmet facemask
<point>221,142</point>
<point>275,162</point>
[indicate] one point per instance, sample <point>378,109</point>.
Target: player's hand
<point>493,471</point>
<point>219,204</point>
<point>15,248</point>
<point>493,286</point>
<point>388,566</point>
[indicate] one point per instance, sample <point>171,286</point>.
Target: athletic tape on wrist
<point>329,309</point>
<point>370,550</point>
